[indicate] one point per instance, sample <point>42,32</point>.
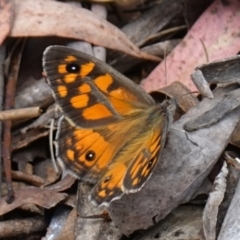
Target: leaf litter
<point>212,35</point>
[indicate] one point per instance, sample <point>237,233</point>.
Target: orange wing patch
<point>70,77</point>
<point>62,68</point>
<point>79,101</point>
<point>143,164</point>
<point>84,88</point>
<point>70,154</point>
<point>103,82</point>
<point>122,93</point>
<point>70,58</point>
<point>96,112</point>
<point>86,69</point>
<point>109,185</point>
<point>62,91</point>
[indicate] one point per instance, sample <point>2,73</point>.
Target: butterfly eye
<point>73,68</point>
<point>90,155</point>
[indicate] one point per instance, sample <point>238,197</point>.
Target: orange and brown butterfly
<point>112,132</point>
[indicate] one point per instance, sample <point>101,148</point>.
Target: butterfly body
<point>112,132</point>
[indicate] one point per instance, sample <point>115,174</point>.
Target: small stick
<point>201,84</point>
<point>15,114</point>
<point>2,58</point>
<point>32,179</point>
<point>8,104</point>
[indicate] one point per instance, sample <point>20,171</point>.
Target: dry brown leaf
<point>23,140</point>
<point>50,18</point>
<point>32,195</point>
<point>62,185</point>
<point>6,20</point>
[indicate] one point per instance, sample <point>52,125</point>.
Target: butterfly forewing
<point>89,92</point>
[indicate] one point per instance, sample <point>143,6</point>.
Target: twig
<point>20,113</point>
<point>2,58</point>
<point>32,179</point>
<point>160,34</point>
<point>9,102</point>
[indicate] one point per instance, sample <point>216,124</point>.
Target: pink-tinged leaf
<point>217,30</point>
<point>6,20</point>
<point>52,18</point>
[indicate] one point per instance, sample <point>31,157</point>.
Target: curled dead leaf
<point>51,18</point>
<point>32,195</point>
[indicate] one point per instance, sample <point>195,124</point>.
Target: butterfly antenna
<point>51,146</point>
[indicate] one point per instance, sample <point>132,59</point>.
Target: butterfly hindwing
<point>135,161</point>
<point>87,152</point>
<point>144,162</point>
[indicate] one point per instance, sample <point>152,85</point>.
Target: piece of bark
<point>231,224</point>
<point>92,228</point>
<point>232,181</point>
<point>235,139</point>
<point>37,94</point>
<point>62,224</point>
<point>184,223</point>
<point>211,209</point>
<point>230,102</point>
<point>186,161</point>
<point>201,84</point>
<point>20,227</point>
<point>151,21</point>
<point>225,71</point>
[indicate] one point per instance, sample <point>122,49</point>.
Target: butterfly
<point>111,132</point>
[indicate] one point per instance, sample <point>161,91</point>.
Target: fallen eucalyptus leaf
<point>216,31</point>
<point>52,18</point>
